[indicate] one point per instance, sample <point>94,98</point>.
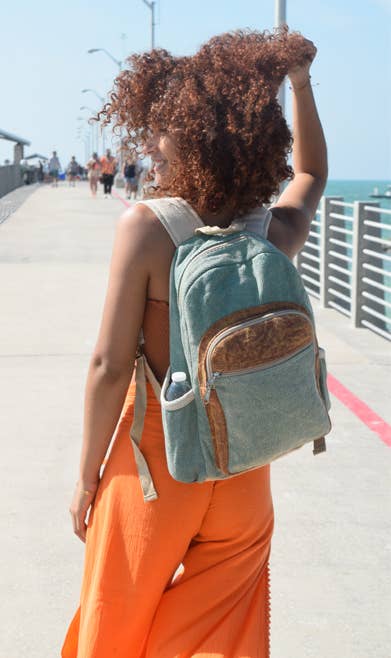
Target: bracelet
<point>308,82</point>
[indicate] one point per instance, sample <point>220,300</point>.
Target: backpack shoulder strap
<point>177,216</point>
<point>258,221</point>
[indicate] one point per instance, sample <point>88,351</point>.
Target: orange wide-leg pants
<point>183,576</point>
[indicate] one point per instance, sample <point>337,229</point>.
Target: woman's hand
<point>300,75</point>
<point>82,500</point>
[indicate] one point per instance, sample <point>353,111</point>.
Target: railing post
<point>324,270</point>
<point>357,264</point>
<point>359,258</point>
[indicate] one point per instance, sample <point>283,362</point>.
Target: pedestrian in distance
<point>54,168</point>
<point>131,172</point>
<point>108,169</point>
<point>40,174</point>
<point>94,171</point>
<point>186,574</point>
<point>73,171</point>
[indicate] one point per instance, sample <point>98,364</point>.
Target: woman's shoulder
<point>142,224</point>
<point>146,243</point>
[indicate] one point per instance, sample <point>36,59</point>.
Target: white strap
<point>181,221</point>
<point>136,431</point>
<point>178,218</point>
<point>157,389</point>
<point>258,221</point>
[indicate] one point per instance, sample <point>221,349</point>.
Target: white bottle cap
<point>178,377</point>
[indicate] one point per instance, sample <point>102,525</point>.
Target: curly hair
<point>232,139</point>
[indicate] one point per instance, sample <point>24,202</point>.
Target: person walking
<point>94,171</point>
<point>108,168</point>
<point>186,573</point>
<point>40,174</point>
<point>131,172</point>
<point>54,168</point>
<point>73,171</point>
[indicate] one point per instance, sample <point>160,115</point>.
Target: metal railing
<point>346,262</point>
<point>11,175</point>
<point>10,178</point>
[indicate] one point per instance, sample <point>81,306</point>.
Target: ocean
<point>358,190</point>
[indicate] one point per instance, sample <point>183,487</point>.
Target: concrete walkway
<point>330,571</point>
<point>11,202</point>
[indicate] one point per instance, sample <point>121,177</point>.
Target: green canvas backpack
<point>242,329</point>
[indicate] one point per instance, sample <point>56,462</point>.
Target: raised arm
<point>296,207</point>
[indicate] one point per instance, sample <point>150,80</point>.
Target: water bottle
<point>178,387</point>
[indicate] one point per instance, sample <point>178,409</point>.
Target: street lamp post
<point>280,12</point>
<point>151,4</point>
<point>84,91</point>
<point>103,50</point>
<point>102,100</point>
<point>279,20</point>
<point>94,138</point>
<point>119,64</point>
<point>86,139</point>
<point>84,136</point>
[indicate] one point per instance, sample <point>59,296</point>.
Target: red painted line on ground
<point>360,409</point>
<point>117,196</point>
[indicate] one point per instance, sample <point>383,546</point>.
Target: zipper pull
<point>209,385</point>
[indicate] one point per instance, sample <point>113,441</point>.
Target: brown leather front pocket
<point>262,343</point>
<point>272,337</point>
<point>251,338</point>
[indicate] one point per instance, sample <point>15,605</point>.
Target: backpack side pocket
<point>180,425</point>
<point>323,378</point>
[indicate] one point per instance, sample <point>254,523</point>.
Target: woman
<point>54,168</point>
<point>108,165</point>
<point>187,574</point>
<point>93,168</point>
<point>73,171</point>
<point>131,174</point>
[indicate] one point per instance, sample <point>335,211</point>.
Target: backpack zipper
<point>210,384</point>
<point>212,376</point>
<point>215,247</point>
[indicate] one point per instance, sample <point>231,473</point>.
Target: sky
<point>44,66</point>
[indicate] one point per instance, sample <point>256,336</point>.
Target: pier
<point>330,575</point>
<point>11,174</point>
